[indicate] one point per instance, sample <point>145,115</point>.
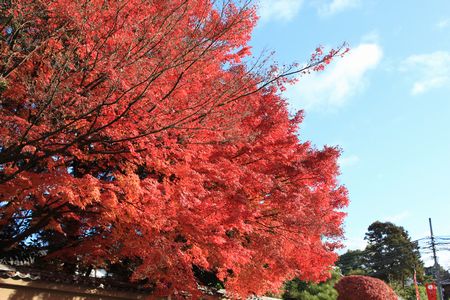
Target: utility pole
<point>436,266</point>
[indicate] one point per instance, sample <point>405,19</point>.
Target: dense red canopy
<point>131,129</point>
<point>357,287</point>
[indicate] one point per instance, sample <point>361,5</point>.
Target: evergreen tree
<point>390,253</point>
<point>352,263</point>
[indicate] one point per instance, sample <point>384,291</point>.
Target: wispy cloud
<point>347,161</point>
<point>427,84</point>
<point>443,24</point>
<point>279,10</point>
<point>328,8</point>
<point>371,37</point>
<point>399,217</point>
<point>431,71</point>
<point>333,87</point>
<point>443,259</point>
<point>286,10</point>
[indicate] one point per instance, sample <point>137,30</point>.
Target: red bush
<point>364,287</point>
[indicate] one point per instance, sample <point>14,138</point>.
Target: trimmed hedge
<point>363,287</point>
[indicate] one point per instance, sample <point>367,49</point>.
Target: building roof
<point>27,273</point>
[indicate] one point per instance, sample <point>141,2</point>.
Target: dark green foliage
<point>409,292</point>
<point>352,263</point>
<point>297,289</point>
<point>390,254</point>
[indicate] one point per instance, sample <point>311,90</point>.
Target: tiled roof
<point>31,274</point>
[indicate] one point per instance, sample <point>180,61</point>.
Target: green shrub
<point>408,292</point>
<point>301,290</point>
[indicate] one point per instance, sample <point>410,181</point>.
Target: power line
<point>436,266</point>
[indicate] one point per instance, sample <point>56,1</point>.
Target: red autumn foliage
<point>132,131</point>
<point>357,287</point>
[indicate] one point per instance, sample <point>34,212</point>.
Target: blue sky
<point>386,103</point>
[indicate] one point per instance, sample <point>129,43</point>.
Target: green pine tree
<point>390,254</point>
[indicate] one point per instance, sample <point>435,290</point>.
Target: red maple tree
<point>132,130</point>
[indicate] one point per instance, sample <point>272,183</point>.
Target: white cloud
<point>281,10</point>
<point>371,37</point>
<point>443,259</point>
<point>399,217</point>
<point>336,6</point>
<point>443,24</point>
<point>347,161</point>
<point>431,71</point>
<point>344,78</point>
<point>420,87</point>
